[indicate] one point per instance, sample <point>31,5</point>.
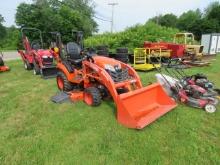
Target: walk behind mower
<point>191,90</point>
<point>91,78</point>
<point>3,67</point>
<point>35,57</point>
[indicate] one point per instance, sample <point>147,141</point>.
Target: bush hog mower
<point>188,89</point>
<point>91,78</point>
<point>183,47</point>
<point>34,56</point>
<point>3,67</point>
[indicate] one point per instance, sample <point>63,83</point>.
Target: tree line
<point>194,21</point>
<point>65,15</point>
<point>52,16</point>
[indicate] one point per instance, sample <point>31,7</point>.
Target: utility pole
<point>112,20</point>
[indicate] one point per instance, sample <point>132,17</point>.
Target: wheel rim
<point>210,108</point>
<point>88,98</point>
<point>60,83</point>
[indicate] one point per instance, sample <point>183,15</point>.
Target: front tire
<point>92,96</point>
<point>27,65</point>
<point>62,82</point>
<point>36,69</point>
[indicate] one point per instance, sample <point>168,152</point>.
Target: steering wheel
<point>35,44</point>
<point>89,57</point>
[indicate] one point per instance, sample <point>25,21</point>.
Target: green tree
<point>2,28</point>
<point>210,8</point>
<point>54,15</point>
<point>214,12</point>
<point>204,26</point>
<point>187,19</point>
<point>168,20</point>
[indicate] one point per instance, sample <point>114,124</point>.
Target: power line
<point>101,19</point>
<point>112,20</point>
<point>101,15</point>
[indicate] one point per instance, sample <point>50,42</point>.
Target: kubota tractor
<point>3,67</point>
<point>91,78</point>
<point>35,57</point>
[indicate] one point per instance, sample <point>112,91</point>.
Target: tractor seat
<point>74,54</point>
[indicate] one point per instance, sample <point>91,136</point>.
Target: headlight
<point>109,67</point>
<point>44,56</point>
<point>113,68</point>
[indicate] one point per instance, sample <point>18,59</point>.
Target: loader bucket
<point>141,107</point>
<point>49,72</point>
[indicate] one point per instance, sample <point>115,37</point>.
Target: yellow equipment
<point>193,51</point>
<point>144,59</point>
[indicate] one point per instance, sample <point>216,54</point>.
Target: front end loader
<point>35,57</point>
<point>91,78</point>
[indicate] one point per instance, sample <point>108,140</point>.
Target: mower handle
<point>173,60</point>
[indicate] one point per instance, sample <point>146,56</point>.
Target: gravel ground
<point>12,55</point>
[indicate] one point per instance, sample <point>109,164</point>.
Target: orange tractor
<point>90,78</point>
<point>3,67</point>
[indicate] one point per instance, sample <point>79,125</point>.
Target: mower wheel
<point>92,96</point>
<point>122,50</point>
<point>27,65</point>
<point>1,62</point>
<point>210,108</point>
<point>62,82</point>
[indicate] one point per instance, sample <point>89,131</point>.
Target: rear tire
<point>122,50</point>
<point>104,53</point>
<point>92,96</point>
<point>102,47</point>
<point>62,82</point>
<point>1,62</point>
<point>124,60</point>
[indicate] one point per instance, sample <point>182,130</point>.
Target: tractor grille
<point>48,60</point>
<point>119,76</point>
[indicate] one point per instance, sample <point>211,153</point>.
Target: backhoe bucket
<point>49,72</point>
<point>141,107</point>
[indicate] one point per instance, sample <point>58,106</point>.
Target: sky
<point>126,13</point>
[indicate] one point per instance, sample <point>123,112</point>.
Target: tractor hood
<point>107,63</point>
<point>45,53</point>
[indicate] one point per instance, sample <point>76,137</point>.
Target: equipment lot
<point>33,130</point>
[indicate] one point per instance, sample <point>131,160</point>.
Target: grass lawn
<point>33,130</point>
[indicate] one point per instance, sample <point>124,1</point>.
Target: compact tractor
<point>3,67</point>
<point>35,57</point>
<point>91,78</point>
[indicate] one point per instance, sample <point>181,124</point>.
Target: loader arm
<point>139,106</point>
